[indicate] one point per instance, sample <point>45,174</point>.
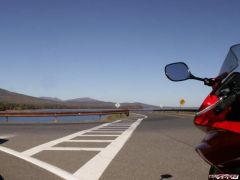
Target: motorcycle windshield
<point>231,62</point>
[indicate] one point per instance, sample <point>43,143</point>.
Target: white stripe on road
<point>37,149</point>
<point>102,132</point>
<point>72,149</point>
<point>42,147</point>
<point>53,169</point>
<point>106,132</point>
<point>89,140</point>
<point>119,125</point>
<point>99,135</point>
<point>111,130</point>
<point>6,136</point>
<point>94,168</point>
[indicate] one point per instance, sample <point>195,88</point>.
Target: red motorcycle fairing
<point>221,147</point>
<point>210,120</point>
<point>223,154</point>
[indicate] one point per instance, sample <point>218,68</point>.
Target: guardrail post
<point>127,112</point>
<point>7,119</point>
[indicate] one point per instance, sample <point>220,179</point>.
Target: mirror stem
<point>207,81</point>
<point>196,78</point>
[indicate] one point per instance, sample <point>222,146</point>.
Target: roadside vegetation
<point>14,106</point>
<point>113,117</point>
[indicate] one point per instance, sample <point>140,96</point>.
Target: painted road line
<point>117,121</point>
<point>118,124</point>
<point>72,149</point>
<point>6,136</point>
<point>104,157</point>
<point>102,160</point>
<point>94,168</point>
<point>88,135</point>
<point>107,132</point>
<point>112,129</point>
<point>94,138</point>
<point>89,140</point>
<point>55,170</point>
<point>107,127</point>
<point>98,133</point>
<point>44,146</point>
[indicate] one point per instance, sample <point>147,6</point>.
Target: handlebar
<point>226,102</point>
<point>220,105</point>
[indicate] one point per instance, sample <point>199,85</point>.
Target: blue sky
<point>114,50</point>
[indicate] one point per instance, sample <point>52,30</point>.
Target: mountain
<point>84,99</point>
<point>12,97</point>
<point>51,98</point>
<point>138,105</point>
<point>91,103</point>
<point>12,100</point>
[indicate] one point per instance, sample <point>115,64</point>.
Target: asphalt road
<point>130,149</point>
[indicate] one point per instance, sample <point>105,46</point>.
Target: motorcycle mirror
<point>178,71</point>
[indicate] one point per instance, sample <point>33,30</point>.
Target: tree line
<point>14,106</point>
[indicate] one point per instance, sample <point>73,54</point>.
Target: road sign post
<point>117,105</point>
<point>181,102</point>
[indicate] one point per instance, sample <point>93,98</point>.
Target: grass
<point>113,117</point>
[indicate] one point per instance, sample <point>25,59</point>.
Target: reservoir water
<point>65,119</point>
<point>52,119</point>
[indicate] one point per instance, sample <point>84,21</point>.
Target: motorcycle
<point>218,116</point>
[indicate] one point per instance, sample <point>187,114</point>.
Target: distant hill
<point>138,105</point>
<point>84,99</point>
<point>11,100</point>
<point>12,97</point>
<point>51,98</point>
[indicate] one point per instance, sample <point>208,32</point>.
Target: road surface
<point>138,148</point>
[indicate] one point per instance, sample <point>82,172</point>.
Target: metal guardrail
<point>178,110</point>
<point>63,113</point>
<point>169,109</point>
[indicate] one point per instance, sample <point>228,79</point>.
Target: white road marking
<point>107,127</point>
<point>94,168</point>
<point>42,147</point>
<point>104,131</point>
<point>118,125</point>
<point>6,136</point>
<point>114,127</point>
<point>72,149</point>
<point>108,130</point>
<point>55,170</point>
<point>99,135</point>
<point>89,140</point>
<point>37,149</point>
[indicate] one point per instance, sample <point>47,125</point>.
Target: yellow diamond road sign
<point>182,102</point>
